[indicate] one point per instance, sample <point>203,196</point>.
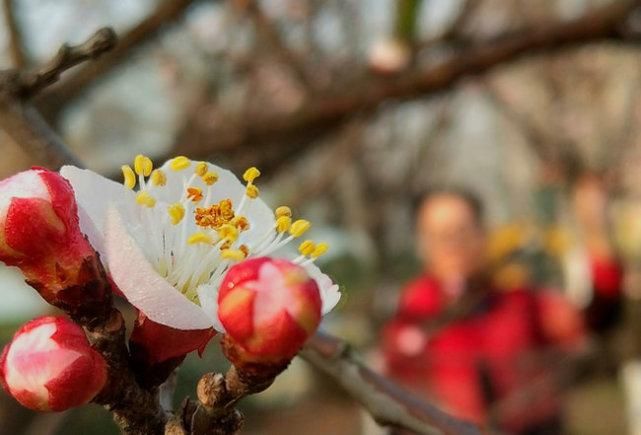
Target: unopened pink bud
<point>50,366</point>
<point>269,307</point>
<point>40,234</point>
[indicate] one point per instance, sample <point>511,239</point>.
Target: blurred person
<point>594,278</point>
<point>593,272</point>
<point>474,348</point>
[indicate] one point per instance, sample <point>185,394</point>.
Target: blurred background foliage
<point>235,82</point>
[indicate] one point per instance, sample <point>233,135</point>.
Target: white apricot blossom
<point>168,235</point>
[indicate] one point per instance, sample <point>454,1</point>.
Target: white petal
<point>208,296</point>
<point>141,284</point>
<point>94,195</point>
<point>329,291</point>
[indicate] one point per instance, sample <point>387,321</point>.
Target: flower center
<point>192,236</point>
<point>215,215</point>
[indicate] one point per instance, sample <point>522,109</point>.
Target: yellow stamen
<point>251,174</point>
<point>240,222</point>
<point>252,191</point>
<point>283,223</point>
<point>129,176</point>
<point>306,248</point>
<point>320,249</point>
<point>176,213</point>
<point>228,232</point>
<point>179,163</point>
<point>158,178</point>
<point>201,169</point>
<point>233,254</point>
<point>299,227</point>
<point>283,210</point>
<point>210,178</point>
<point>199,238</point>
<point>244,249</point>
<point>143,165</point>
<point>144,198</point>
<point>195,193</point>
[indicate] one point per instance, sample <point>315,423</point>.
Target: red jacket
<point>484,357</point>
<point>605,308</point>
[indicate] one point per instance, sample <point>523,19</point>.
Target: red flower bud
<point>49,366</point>
<point>40,234</point>
<point>269,307</point>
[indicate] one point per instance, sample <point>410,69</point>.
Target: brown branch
<point>551,147</point>
<point>67,57</point>
<point>21,122</point>
<point>215,413</point>
<point>268,32</point>
<point>80,81</point>
<point>272,136</point>
<point>386,402</point>
<point>217,395</point>
<point>24,125</point>
<point>16,47</point>
<point>543,145</point>
<point>136,410</point>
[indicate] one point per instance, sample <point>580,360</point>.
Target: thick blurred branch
<point>387,403</point>
<point>16,47</point>
<point>272,136</point>
<point>21,121</point>
<point>266,30</point>
<point>81,80</point>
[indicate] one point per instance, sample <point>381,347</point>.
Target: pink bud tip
<point>269,307</point>
<point>50,366</point>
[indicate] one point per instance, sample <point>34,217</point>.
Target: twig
<point>67,57</point>
<point>217,394</point>
<point>25,125</point>
<point>77,83</point>
<point>386,402</point>
<point>16,48</point>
